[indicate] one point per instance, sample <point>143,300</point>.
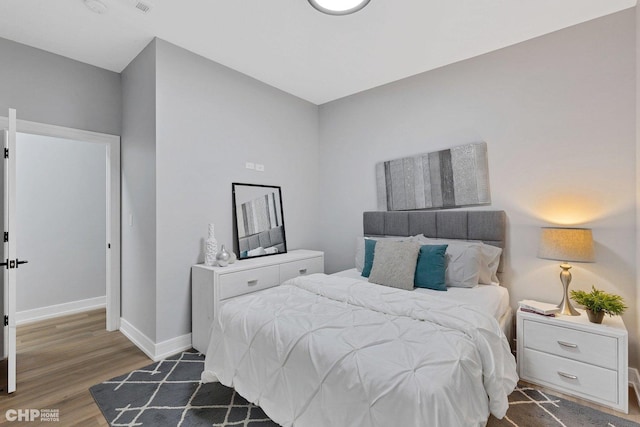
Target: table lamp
<point>566,244</point>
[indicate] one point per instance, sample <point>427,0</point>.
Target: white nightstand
<point>576,357</point>
<point>212,285</point>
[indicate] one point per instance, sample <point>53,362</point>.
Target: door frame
<point>113,254</point>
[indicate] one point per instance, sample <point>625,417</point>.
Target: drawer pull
<point>567,344</point>
<point>252,282</point>
<point>303,271</point>
<point>571,377</point>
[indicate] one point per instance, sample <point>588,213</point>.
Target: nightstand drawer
<point>302,267</point>
<point>587,380</point>
<point>244,282</point>
<point>586,347</point>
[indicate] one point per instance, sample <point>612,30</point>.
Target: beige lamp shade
<point>566,244</point>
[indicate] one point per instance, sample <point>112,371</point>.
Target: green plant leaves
<point>598,300</point>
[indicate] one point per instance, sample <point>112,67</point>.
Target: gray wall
<point>139,192</point>
<point>61,212</point>
<point>210,121</point>
<point>558,116</point>
<point>48,88</point>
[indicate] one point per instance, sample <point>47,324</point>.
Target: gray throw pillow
<point>394,264</point>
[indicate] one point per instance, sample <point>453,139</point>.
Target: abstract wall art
<point>443,179</point>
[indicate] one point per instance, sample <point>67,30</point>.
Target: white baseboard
<point>170,347</point>
<point>141,341</point>
<point>634,381</point>
<point>43,313</point>
<point>154,351</point>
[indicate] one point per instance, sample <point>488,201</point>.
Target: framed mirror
<point>258,220</point>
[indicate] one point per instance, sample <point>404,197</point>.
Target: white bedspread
<point>491,298</point>
<point>331,351</point>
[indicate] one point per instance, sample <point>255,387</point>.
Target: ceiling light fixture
<point>96,6</point>
<point>338,7</point>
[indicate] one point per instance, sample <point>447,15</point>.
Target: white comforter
<point>330,351</point>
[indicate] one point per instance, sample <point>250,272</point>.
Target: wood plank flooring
<point>58,360</point>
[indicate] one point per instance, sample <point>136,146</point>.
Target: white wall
<point>61,213</point>
<point>139,192</point>
<point>558,116</point>
<point>210,121</point>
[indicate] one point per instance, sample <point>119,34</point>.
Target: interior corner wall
<point>139,192</point>
<point>48,88</point>
<point>211,120</point>
<point>558,115</point>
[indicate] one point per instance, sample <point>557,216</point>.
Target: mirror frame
<point>235,218</point>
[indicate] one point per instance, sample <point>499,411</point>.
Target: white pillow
<point>489,257</point>
<point>463,265</point>
<point>360,247</point>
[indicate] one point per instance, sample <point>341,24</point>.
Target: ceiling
<point>290,45</point>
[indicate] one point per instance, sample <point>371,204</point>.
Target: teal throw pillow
<point>369,251</point>
<point>430,267</point>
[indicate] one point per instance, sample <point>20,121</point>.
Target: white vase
<point>210,248</point>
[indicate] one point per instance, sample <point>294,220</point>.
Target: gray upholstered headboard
<point>487,226</point>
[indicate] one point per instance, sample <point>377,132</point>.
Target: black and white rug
<point>169,393</point>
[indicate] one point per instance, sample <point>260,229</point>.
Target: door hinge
<point>6,153</point>
<point>6,236</point>
<point>6,320</point>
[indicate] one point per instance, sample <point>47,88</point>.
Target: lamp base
<point>566,309</point>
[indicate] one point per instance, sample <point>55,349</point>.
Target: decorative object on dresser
<point>576,357</point>
<point>210,248</point>
<point>212,285</point>
<point>258,220</point>
<point>443,179</point>
<point>598,302</point>
<point>223,257</point>
<point>566,244</point>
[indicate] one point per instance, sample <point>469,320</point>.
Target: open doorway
<point>9,127</point>
<point>111,144</point>
<point>61,212</point>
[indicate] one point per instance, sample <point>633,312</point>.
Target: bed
<point>336,350</point>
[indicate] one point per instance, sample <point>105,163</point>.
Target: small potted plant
<point>598,302</point>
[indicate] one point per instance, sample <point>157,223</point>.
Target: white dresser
<point>212,285</point>
<point>576,357</point>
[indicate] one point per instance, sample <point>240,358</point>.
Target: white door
<point>9,260</point>
<point>4,337</point>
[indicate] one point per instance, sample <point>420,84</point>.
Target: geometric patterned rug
<point>169,393</point>
<point>529,406</point>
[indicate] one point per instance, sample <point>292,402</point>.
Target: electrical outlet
<point>249,165</point>
<point>259,167</point>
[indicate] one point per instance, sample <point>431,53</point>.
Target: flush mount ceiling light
<point>338,7</point>
<point>96,6</point>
